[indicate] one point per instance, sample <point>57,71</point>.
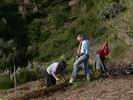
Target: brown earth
<point>103,89</point>
<point>117,87</point>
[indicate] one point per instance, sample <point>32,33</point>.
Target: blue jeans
<point>81,60</point>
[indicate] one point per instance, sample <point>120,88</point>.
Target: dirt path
<point>104,89</point>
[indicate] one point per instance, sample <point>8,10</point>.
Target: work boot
<point>106,74</point>
<point>71,80</point>
<point>98,73</point>
<point>88,77</point>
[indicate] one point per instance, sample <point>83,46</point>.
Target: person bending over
<point>53,70</point>
<point>99,66</point>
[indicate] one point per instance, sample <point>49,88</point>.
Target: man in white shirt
<point>52,71</point>
<point>83,57</point>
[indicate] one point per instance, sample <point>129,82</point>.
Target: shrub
<point>22,76</point>
<point>58,14</point>
<point>32,72</point>
<point>5,82</point>
<point>34,30</point>
<point>118,51</point>
<point>32,51</point>
<point>56,45</point>
<point>36,71</point>
<point>111,10</point>
<point>76,85</point>
<point>131,34</point>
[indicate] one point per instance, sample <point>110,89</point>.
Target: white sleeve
<point>54,67</point>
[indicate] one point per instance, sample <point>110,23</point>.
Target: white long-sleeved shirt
<point>85,48</point>
<point>52,68</point>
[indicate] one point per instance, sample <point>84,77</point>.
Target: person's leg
<point>98,62</point>
<point>48,80</point>
<point>103,65</point>
<point>86,68</point>
<point>76,66</point>
<point>53,80</point>
<point>104,69</point>
<point>98,65</point>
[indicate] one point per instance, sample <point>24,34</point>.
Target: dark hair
<point>80,35</point>
<point>63,63</point>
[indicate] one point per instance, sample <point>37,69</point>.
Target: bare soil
<point>103,89</point>
<point>119,86</point>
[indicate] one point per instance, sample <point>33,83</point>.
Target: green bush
<point>32,72</point>
<point>58,14</point>
<point>44,35</point>
<point>111,10</point>
<point>23,76</point>
<point>76,85</point>
<point>118,51</point>
<point>131,34</point>
<point>5,82</point>
<point>57,44</point>
<point>26,75</point>
<point>34,30</point>
<point>33,75</point>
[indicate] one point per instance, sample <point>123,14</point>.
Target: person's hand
<point>77,57</point>
<point>57,79</point>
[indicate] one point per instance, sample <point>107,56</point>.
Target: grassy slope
<point>115,35</point>
<point>58,35</point>
<point>118,35</point>
<point>120,30</point>
<point>61,24</point>
<point>61,38</point>
<point>86,21</point>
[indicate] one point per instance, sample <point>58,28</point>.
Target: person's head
<point>106,45</point>
<point>80,37</point>
<point>63,64</point>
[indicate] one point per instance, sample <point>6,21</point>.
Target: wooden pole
<point>15,83</point>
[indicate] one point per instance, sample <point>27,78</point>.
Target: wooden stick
<point>15,83</point>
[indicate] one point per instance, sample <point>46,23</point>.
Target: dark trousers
<point>51,81</point>
<point>104,69</point>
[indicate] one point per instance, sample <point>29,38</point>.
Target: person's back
<point>52,71</point>
<point>99,60</point>
<point>52,68</point>
<point>103,52</point>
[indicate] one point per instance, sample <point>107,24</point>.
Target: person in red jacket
<point>100,67</point>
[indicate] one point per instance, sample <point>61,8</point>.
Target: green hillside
<point>48,28</point>
<point>45,30</point>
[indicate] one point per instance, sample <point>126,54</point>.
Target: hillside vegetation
<point>33,32</point>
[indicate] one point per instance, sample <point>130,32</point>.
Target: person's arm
<point>57,79</point>
<point>54,73</point>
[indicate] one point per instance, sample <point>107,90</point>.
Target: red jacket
<point>103,52</point>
